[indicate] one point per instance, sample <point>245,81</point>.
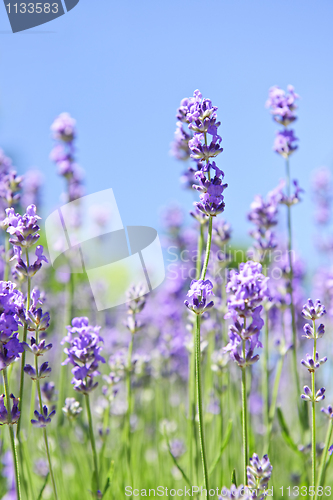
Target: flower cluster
<point>313,311</point>
<point>258,474</point>
<point>83,353</point>
<point>63,154</point>
<point>10,182</point>
<point>282,104</point>
<point>23,230</point>
<point>283,108</point>
<point>199,292</point>
<point>236,493</point>
<point>11,303</point>
<point>200,116</point>
<point>14,412</point>
<point>248,288</point>
<point>322,194</point>
<point>136,302</point>
<point>263,215</point>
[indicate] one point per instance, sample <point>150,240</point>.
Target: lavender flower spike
<point>259,472</point>
<point>312,310</point>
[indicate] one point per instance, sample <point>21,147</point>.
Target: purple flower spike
<point>282,104</point>
<point>83,353</point>
<point>15,413</point>
<point>44,418</point>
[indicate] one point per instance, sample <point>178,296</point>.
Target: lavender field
<point>217,384</point>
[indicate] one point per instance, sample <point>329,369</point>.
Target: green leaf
<point>109,478</point>
<point>285,432</point>
<point>223,446</point>
<point>43,487</point>
<point>233,478</point>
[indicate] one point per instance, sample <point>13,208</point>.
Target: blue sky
<point>121,68</point>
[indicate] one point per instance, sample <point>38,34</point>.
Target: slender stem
<point>25,331</point>
<point>199,401</point>
<point>290,258</point>
<point>200,248</point>
<point>39,392</point>
<point>313,448</point>
<point>265,385</point>
<point>321,481</point>
<point>129,406</point>
<point>244,417</point>
<point>92,440</point>
<point>6,271</point>
<point>272,409</point>
<point>208,246</point>
<point>64,371</point>
<point>11,435</point>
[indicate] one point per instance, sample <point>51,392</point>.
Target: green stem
<point>208,246</point>
<point>292,307</point>
<point>313,447</point>
<point>265,386</point>
<point>199,400</point>
<point>199,255</point>
<point>92,440</point>
<point>11,435</point>
<point>129,406</point>
<point>25,332</point>
<point>321,478</point>
<point>39,392</point>
<point>272,409</point>
<point>64,370</point>
<point>244,417</point>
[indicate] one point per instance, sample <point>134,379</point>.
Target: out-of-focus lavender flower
<point>32,183</point>
<point>330,450</point>
<point>72,408</point>
<point>83,353</point>
<point>236,493</point>
<point>284,143</point>
<point>48,391</point>
<point>44,418</point>
<point>328,411</point>
<point>248,288</point>
<point>14,412</point>
<point>199,292</point>
<point>64,131</point>
<point>219,361</point>
<point>63,128</point>
<point>179,147</point>
<point>263,215</point>
<point>282,104</point>
<point>259,472</point>
<point>177,448</point>
<point>221,233</point>
<point>322,193</point>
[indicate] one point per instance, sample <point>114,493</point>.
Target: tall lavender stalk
<point>63,154</point>
<point>263,215</point>
<point>11,301</point>
<point>247,288</point>
<point>312,312</point>
<point>84,354</point>
<point>201,118</point>
<point>136,303</point>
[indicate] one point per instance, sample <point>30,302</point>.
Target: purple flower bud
<point>44,418</point>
